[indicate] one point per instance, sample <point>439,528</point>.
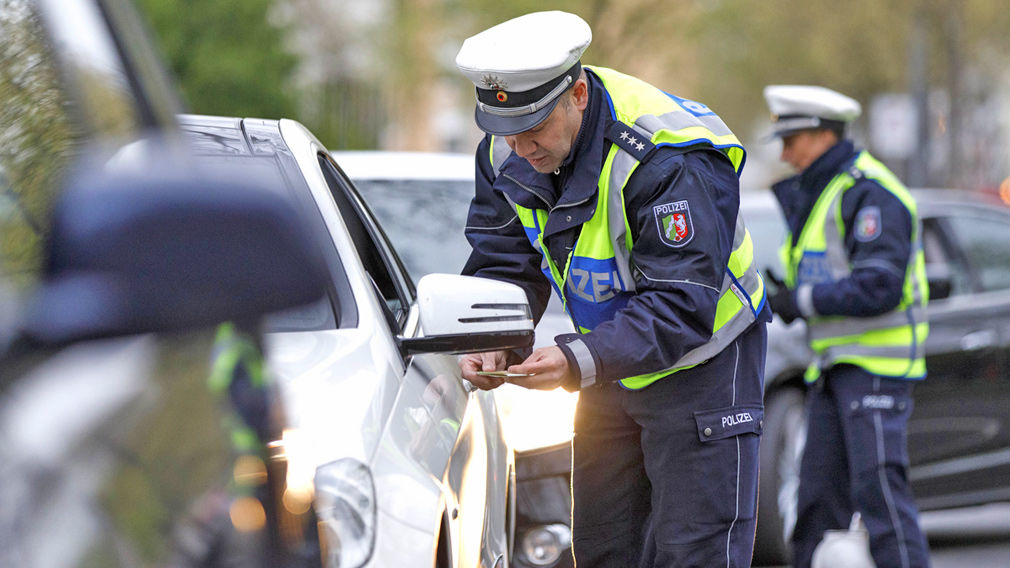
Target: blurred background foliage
<point>380,73</point>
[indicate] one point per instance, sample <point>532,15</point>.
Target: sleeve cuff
<point>581,361</point>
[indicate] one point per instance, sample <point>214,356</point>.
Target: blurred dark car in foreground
<point>118,258</point>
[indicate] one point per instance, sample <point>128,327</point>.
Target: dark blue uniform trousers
<point>856,459</point>
<point>667,475</point>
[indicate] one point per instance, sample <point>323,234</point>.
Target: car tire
<point>785,430</point>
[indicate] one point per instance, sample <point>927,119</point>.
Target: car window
<point>401,204</point>
<point>943,260</point>
<point>378,257</point>
<point>983,239</point>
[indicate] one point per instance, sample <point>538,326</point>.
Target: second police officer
<point>855,272</point>
<point>624,199</point>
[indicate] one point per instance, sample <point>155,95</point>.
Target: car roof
<point>381,164</point>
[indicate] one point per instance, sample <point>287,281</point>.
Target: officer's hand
<point>781,299</point>
<point>549,367</point>
<point>487,361</point>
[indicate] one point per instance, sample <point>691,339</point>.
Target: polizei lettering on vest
<point>738,418</point>
<point>600,284</point>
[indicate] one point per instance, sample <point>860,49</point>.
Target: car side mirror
<point>168,249</point>
<point>466,314</point>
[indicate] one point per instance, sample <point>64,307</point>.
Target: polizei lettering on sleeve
<point>738,418</point>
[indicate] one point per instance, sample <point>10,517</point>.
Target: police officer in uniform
<point>624,199</point>
<point>855,273</point>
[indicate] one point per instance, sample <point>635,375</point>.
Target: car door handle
<point>978,340</point>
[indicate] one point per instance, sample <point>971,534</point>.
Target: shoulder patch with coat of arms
<point>674,222</point>
<point>868,224</point>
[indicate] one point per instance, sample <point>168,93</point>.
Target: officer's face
<point>800,150</point>
<point>547,145</point>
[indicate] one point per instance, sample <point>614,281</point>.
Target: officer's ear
<point>580,93</point>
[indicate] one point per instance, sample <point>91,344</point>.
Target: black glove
<point>781,299</point>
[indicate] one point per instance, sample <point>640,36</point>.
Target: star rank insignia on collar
<point>630,140</point>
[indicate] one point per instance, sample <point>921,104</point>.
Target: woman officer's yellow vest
<point>889,344</point>
<point>598,275</point>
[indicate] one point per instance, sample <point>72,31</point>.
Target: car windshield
<point>424,219</point>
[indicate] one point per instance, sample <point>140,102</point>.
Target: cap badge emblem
<point>502,96</point>
<point>493,82</point>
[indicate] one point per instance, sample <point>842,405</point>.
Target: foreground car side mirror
<point>465,314</point>
<point>167,249</point>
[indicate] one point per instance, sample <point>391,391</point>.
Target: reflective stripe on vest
<point>598,279</point>
<point>889,344</point>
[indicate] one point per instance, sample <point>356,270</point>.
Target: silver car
<point>401,461</point>
<point>403,186</point>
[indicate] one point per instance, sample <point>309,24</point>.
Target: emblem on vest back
<point>674,222</point>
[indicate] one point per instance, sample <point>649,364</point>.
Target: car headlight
<point>544,545</point>
<point>345,507</point>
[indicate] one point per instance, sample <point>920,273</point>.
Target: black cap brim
<point>509,125</point>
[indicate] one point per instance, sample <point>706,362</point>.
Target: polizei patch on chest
<point>673,220</point>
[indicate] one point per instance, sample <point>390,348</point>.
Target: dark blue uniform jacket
<point>878,264</point>
<point>677,288</point>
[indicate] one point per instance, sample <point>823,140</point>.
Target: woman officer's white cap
<point>807,107</point>
<point>520,68</point>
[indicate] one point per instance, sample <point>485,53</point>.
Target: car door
<point>959,438</point>
<point>437,423</point>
